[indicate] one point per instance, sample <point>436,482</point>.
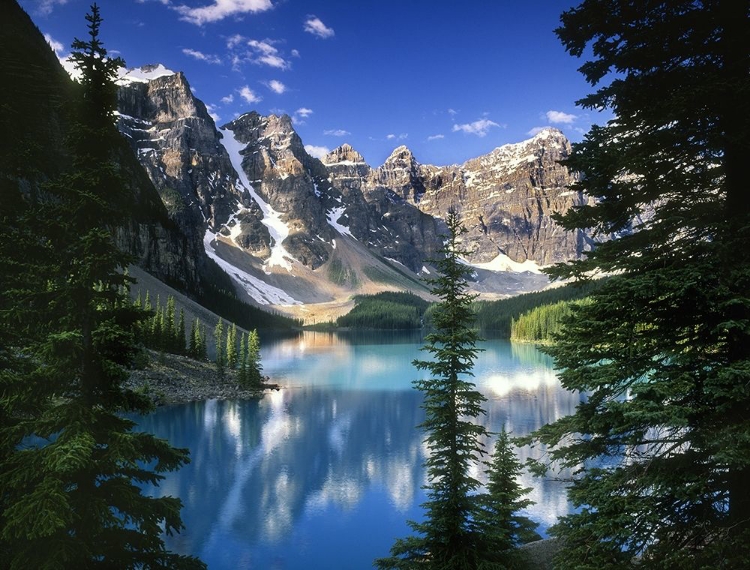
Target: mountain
<point>292,229</point>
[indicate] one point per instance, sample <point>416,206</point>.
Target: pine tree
<point>501,527</point>
<point>663,349</point>
<point>194,340</point>
<point>242,377</point>
<point>203,347</point>
<point>231,350</point>
<point>254,365</point>
<point>170,334</point>
<point>73,498</point>
<point>449,536</point>
<point>221,359</point>
<point>180,339</point>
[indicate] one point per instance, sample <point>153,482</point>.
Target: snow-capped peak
<point>142,74</point>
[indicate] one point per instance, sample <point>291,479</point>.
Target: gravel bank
<point>171,379</point>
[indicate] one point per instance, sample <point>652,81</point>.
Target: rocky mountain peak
<point>401,157</point>
<point>344,154</point>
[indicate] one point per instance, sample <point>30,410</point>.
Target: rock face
<point>253,182</point>
<point>505,198</point>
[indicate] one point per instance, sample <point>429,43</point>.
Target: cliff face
<point>35,92</point>
<point>505,198</point>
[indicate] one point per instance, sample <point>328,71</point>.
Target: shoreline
<point>169,379</point>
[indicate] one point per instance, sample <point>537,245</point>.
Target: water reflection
<point>328,468</point>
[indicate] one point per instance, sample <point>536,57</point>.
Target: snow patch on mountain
<point>259,290</point>
<point>333,219</point>
<point>271,218</point>
<point>142,74</point>
<point>504,263</point>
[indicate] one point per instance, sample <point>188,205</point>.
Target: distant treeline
<point>386,310</point>
<point>542,323</point>
<point>498,316</point>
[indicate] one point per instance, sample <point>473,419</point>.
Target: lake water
<point>324,473</point>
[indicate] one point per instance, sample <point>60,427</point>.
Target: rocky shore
<point>172,379</point>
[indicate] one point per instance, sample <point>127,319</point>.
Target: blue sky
<point>450,79</point>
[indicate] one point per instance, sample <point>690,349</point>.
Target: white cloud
<point>479,128</point>
<point>221,9</point>
<point>235,40</point>
<point>317,151</point>
<point>276,86</point>
<point>560,117</point>
<point>265,53</point>
<point>56,46</point>
<point>249,95</point>
<point>452,112</point>
<point>299,116</point>
<point>200,56</point>
<point>400,137</point>
<point>45,7</point>
<point>212,112</point>
<point>316,27</point>
<point>337,133</point>
<point>294,53</point>
<point>536,130</point>
<point>228,99</point>
<point>435,137</point>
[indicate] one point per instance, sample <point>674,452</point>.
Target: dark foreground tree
<point>448,537</point>
<point>501,526</point>
<point>663,349</point>
<point>71,462</point>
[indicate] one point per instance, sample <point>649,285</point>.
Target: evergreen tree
<point>221,359</point>
<point>138,303</point>
<point>449,537</point>
<point>72,464</point>
<point>203,348</point>
<point>242,377</point>
<point>194,340</point>
<point>663,349</point>
<point>254,365</point>
<point>169,339</point>
<point>180,340</point>
<point>232,347</point>
<point>501,527</point>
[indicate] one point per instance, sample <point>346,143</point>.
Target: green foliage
<point>663,349</point>
<point>386,310</point>
<point>449,537</point>
<point>498,316</point>
<point>543,323</point>
<point>231,350</point>
<point>71,465</point>
<point>221,355</point>
<point>500,525</point>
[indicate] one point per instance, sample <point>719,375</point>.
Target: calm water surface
<point>324,473</point>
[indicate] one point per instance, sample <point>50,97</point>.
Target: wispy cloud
<point>200,56</point>
<point>337,133</point>
<point>276,86</point>
<point>316,27</point>
<point>212,112</point>
<point>400,137</point>
<point>317,151</point>
<point>258,52</point>
<point>249,95</point>
<point>56,46</point>
<point>299,116</point>
<point>435,137</point>
<point>45,7</point>
<point>536,130</point>
<point>557,117</point>
<point>228,99</point>
<point>221,9</point>
<point>480,127</point>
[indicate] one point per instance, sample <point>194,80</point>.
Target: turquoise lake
<point>325,472</point>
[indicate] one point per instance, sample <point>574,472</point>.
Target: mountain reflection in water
<point>324,472</point>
